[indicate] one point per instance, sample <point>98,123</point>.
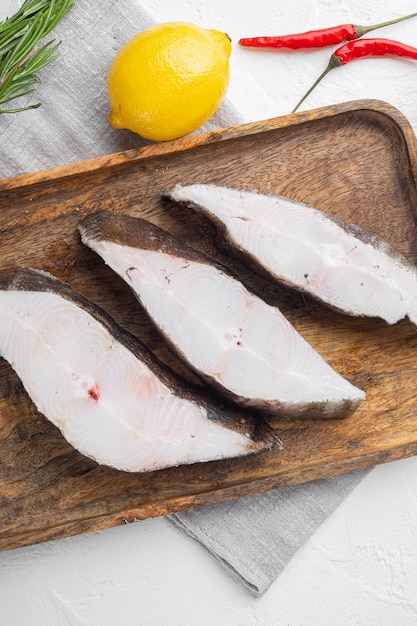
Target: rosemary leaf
<point>21,56</point>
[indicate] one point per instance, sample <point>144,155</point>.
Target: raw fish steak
<point>109,396</point>
<point>340,264</point>
<point>231,338</point>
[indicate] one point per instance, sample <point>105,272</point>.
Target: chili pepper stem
<point>363,30</point>
<point>334,62</point>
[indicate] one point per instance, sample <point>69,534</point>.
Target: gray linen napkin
<point>253,537</point>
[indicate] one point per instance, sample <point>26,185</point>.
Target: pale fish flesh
<point>340,264</point>
<point>231,338</point>
<point>109,396</point>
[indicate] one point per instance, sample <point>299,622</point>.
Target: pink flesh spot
<point>93,393</point>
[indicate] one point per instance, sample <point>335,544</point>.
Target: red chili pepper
<point>316,38</point>
<point>373,47</point>
<point>363,48</point>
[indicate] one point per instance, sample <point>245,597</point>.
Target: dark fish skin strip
<point>225,414</point>
<point>137,232</point>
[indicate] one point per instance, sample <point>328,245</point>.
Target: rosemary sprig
<point>21,56</point>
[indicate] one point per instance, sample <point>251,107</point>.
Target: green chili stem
<point>363,30</point>
<point>334,62</point>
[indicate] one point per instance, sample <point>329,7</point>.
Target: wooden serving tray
<point>356,160</point>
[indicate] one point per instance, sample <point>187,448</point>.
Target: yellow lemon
<point>168,80</point>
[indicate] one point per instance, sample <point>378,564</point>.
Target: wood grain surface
<point>356,160</point>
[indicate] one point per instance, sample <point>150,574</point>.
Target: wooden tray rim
<point>223,134</point>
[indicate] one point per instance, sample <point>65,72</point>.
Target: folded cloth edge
<point>255,537</point>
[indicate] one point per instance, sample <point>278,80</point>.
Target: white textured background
<point>360,567</point>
